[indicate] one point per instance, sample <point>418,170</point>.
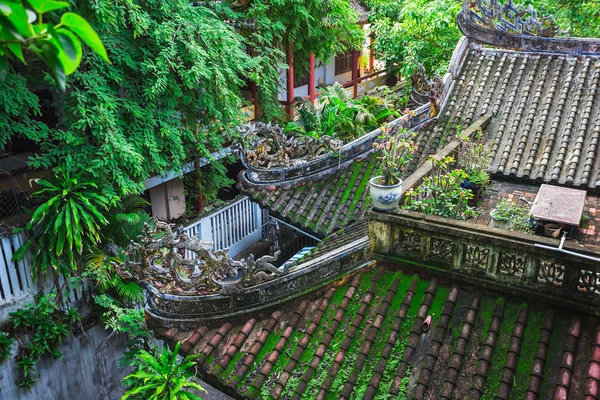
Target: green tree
<point>171,94</point>
<point>58,45</point>
<point>322,27</point>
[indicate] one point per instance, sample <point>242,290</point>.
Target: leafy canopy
<point>58,45</point>
<point>172,93</point>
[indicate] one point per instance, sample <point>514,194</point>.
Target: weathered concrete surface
<point>86,370</point>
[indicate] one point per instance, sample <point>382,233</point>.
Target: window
<point>343,63</point>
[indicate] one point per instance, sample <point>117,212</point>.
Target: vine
<point>39,328</point>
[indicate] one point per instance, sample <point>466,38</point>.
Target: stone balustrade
<point>506,261</point>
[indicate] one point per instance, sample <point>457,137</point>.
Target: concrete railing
<point>234,227</point>
<point>498,259</point>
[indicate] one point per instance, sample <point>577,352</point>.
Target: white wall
<point>168,199</point>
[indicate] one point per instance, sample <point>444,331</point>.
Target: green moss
<point>528,349</point>
<point>342,376</point>
<point>511,311</point>
<point>229,369</point>
<point>555,353</point>
<point>339,336</point>
<point>355,172</point>
<point>314,342</point>
<point>396,356</point>
<point>363,184</point>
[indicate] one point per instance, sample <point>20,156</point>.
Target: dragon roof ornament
<point>268,146</point>
<point>515,26</point>
<point>511,18</point>
<point>158,258</point>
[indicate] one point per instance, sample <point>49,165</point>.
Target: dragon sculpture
<point>266,145</point>
<point>511,18</point>
<point>159,258</point>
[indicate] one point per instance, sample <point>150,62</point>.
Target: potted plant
<point>395,154</point>
<point>510,216</point>
<point>501,215</point>
<point>473,159</point>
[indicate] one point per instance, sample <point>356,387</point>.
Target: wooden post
<point>200,199</point>
<point>355,72</point>
<point>311,77</point>
<point>371,56</point>
<point>254,99</point>
<point>290,81</point>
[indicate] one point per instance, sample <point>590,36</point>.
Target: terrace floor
<point>499,190</point>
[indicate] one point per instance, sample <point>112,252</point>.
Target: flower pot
<point>384,198</point>
<point>498,223</point>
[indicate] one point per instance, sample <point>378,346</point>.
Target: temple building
<point>399,304</point>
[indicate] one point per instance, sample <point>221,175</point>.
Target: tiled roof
<point>546,114</point>
<point>320,207</point>
<point>365,339</point>
<point>361,11</point>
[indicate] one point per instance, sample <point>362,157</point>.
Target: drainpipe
<point>290,81</point>
<point>561,250</point>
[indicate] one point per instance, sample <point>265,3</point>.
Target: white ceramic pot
<point>498,223</point>
<point>384,198</point>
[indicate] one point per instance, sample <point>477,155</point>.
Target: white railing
<point>17,286</point>
<point>234,227</point>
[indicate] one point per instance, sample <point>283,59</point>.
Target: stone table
<point>559,204</point>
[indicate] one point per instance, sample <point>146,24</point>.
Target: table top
<point>559,204</point>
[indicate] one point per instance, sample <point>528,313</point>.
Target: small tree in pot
<point>395,154</point>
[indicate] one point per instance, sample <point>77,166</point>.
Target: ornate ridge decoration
<point>511,18</point>
<point>267,146</point>
<point>158,259</point>
<point>520,28</point>
<point>425,90</point>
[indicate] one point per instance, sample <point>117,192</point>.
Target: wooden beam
<point>355,72</point>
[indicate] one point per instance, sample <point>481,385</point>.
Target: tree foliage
<point>58,45</point>
<point>171,94</point>
<point>409,33</point>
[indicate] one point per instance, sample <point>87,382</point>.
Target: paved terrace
<point>496,191</point>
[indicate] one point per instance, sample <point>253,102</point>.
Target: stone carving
<point>425,90</point>
<point>441,248</point>
<point>551,273</point>
<point>411,241</point>
<point>157,258</point>
<point>476,257</point>
<point>512,265</point>
<point>589,281</point>
<point>267,146</point>
<point>511,18</point>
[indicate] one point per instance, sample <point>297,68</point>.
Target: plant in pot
<point>395,154</point>
<point>473,159</point>
<point>510,216</point>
